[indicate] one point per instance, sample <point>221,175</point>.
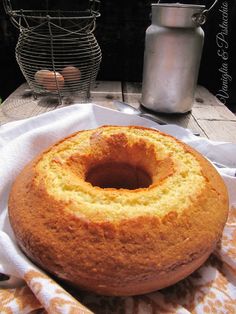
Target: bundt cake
<point>119,210</point>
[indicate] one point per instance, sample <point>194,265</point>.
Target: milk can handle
<point>200,18</point>
<point>211,7</point>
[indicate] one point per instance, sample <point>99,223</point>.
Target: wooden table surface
<point>209,117</point>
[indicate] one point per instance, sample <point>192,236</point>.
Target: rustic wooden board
<point>104,93</point>
<point>209,112</point>
<point>209,117</point>
<point>203,96</point>
<point>132,95</point>
<point>223,131</point>
<point>21,103</point>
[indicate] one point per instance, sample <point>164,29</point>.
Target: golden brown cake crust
<point>118,257</point>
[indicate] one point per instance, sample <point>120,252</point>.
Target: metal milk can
<point>173,49</point>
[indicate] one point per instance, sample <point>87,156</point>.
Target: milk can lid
<point>176,14</point>
<point>181,5</point>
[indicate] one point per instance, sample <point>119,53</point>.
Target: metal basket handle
<point>8,9</point>
<point>94,5</point>
<point>7,6</point>
<point>20,20</point>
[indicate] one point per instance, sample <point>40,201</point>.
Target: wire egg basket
<point>57,51</point>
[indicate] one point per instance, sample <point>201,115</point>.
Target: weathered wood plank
<point>132,95</point>
<point>204,97</point>
<point>223,131</point>
<point>132,88</point>
<point>104,92</point>
<point>21,103</point>
<point>209,117</point>
<point>209,112</point>
<point>107,87</point>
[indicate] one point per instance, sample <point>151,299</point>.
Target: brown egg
<point>41,75</point>
<point>53,81</point>
<point>71,74</point>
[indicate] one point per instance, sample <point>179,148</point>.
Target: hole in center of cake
<point>118,176</point>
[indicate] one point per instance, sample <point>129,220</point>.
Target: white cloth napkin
<point>20,141</point>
